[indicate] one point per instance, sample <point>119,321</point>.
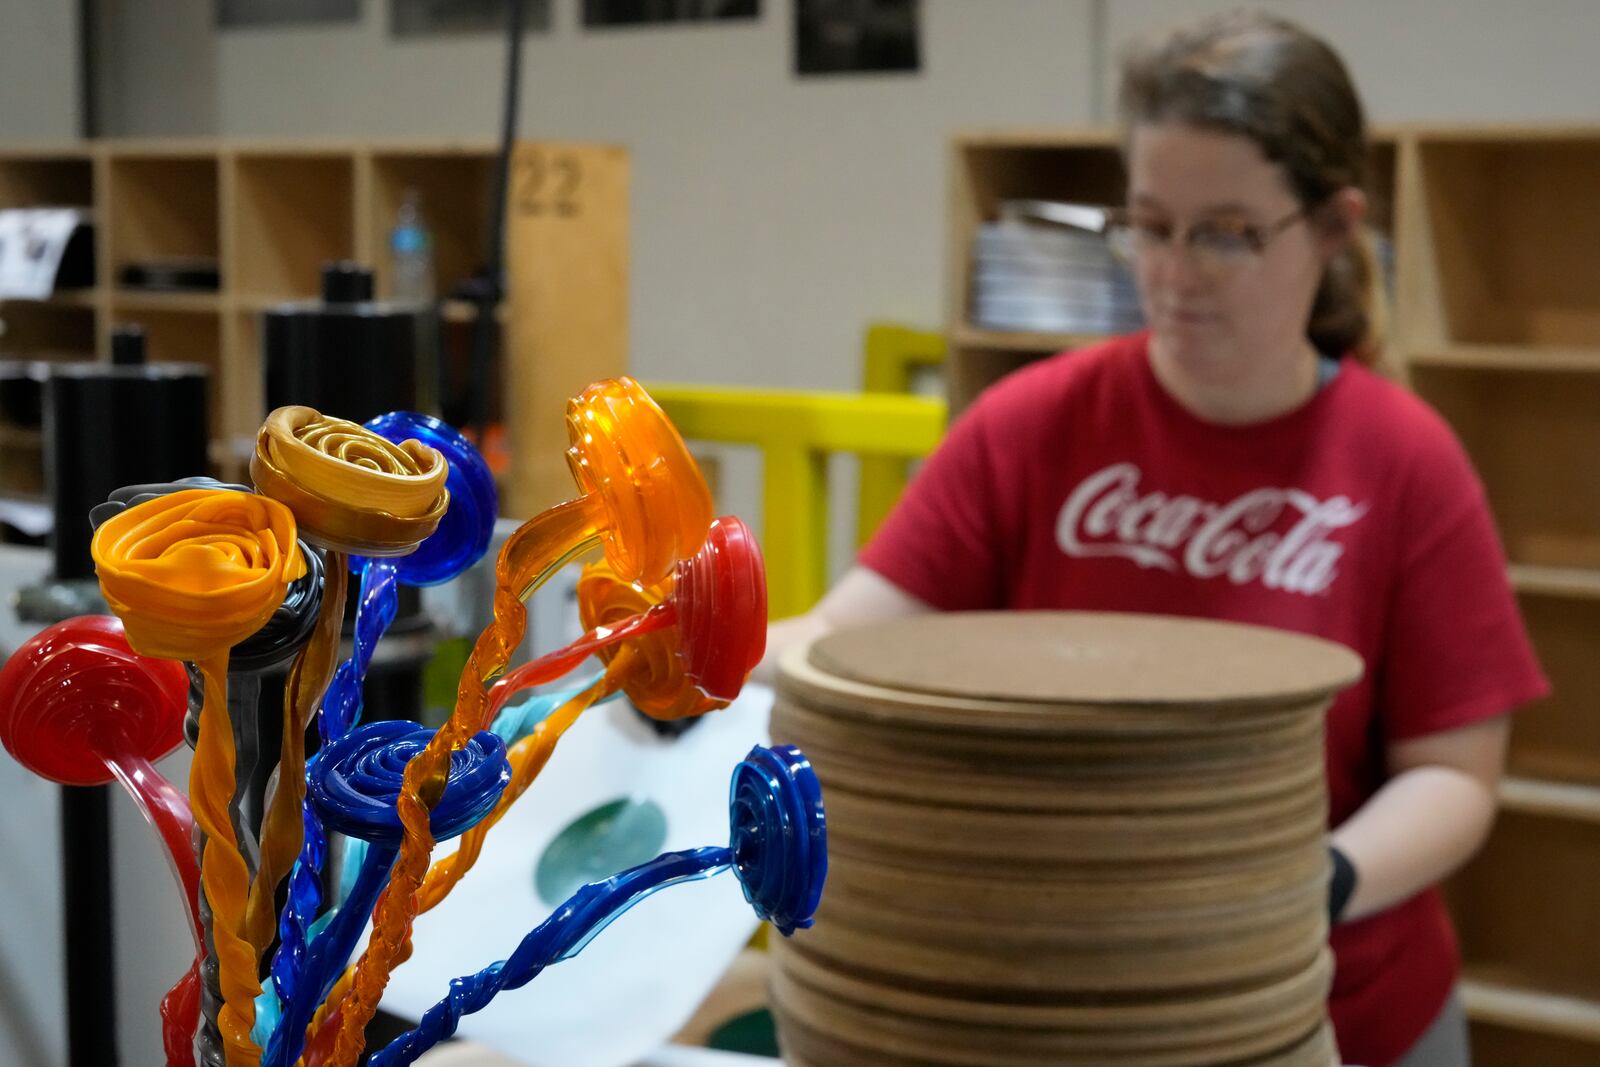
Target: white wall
<point>38,70</point>
<point>772,217</point>
<point>155,67</point>
<point>1434,60</point>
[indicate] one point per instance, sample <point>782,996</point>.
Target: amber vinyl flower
<point>194,572</point>
<point>350,489</point>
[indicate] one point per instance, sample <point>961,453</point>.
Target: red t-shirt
<point>1080,483</point>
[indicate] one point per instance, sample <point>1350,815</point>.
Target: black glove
<point>1342,886</point>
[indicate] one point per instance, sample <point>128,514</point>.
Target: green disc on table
<point>752,1033</point>
<point>598,844</point>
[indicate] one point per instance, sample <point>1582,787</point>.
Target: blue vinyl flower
<point>353,785</point>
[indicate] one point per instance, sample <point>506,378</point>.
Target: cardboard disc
<point>824,1027</point>
<point>1088,658</point>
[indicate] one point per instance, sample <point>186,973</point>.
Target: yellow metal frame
<point>893,355</point>
<point>796,431</point>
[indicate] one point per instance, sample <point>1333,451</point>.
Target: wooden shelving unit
<point>271,214</point>
<point>1496,322</point>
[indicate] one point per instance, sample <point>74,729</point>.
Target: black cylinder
<point>127,345</point>
<point>110,426</point>
<point>349,356</point>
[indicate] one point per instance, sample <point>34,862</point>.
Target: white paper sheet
<point>32,242</point>
<point>638,982</point>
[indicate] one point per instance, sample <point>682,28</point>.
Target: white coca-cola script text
<point>1243,540</point>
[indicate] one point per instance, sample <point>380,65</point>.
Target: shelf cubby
<point>46,178</point>
<point>1527,933</point>
<point>46,329</point>
<point>987,170</point>
<point>1559,737</point>
<point>1496,266</point>
<point>290,214</point>
<point>454,191</point>
<point>1512,424</point>
<point>160,207</point>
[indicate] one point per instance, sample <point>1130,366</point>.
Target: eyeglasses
<point>1218,246</point>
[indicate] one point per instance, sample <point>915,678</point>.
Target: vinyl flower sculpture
<point>212,583</point>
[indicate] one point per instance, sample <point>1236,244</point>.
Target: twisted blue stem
<point>354,784</point>
<point>375,611</point>
<point>561,936</point>
<point>326,958</point>
<point>341,709</point>
<point>778,849</point>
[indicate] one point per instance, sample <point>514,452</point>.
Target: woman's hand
<point>1429,818</point>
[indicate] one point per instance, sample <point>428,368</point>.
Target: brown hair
<point>1267,79</point>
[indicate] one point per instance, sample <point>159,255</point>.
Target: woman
<point>1241,461</point>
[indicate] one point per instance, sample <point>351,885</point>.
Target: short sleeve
<point>940,543</point>
<point>1456,650</point>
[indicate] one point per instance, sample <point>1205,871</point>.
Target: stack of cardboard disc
<point>1063,839</point>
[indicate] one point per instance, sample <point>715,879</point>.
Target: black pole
<point>485,328</point>
<point>91,980</point>
<point>86,916</point>
<point>88,90</point>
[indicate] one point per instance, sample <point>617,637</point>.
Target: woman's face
<point>1227,264</point>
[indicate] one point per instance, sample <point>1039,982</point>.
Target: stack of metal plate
<point>1046,267</point>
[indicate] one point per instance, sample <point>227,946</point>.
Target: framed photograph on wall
<point>856,36</point>
<point>423,18</point>
<point>232,14</point>
<point>602,13</point>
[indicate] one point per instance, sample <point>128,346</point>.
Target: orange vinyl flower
<point>626,455</point>
<point>191,574</point>
<point>196,572</point>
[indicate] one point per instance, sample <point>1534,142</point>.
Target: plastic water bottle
<point>411,253</point>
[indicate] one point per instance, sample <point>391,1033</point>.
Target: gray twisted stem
<point>255,751</point>
<point>208,1050</point>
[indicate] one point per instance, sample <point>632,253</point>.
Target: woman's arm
<point>1429,818</point>
<point>860,597</point>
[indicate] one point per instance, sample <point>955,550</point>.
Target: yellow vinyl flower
<point>195,572</point>
<point>350,489</point>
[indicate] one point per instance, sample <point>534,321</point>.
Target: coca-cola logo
<point>1242,540</point>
